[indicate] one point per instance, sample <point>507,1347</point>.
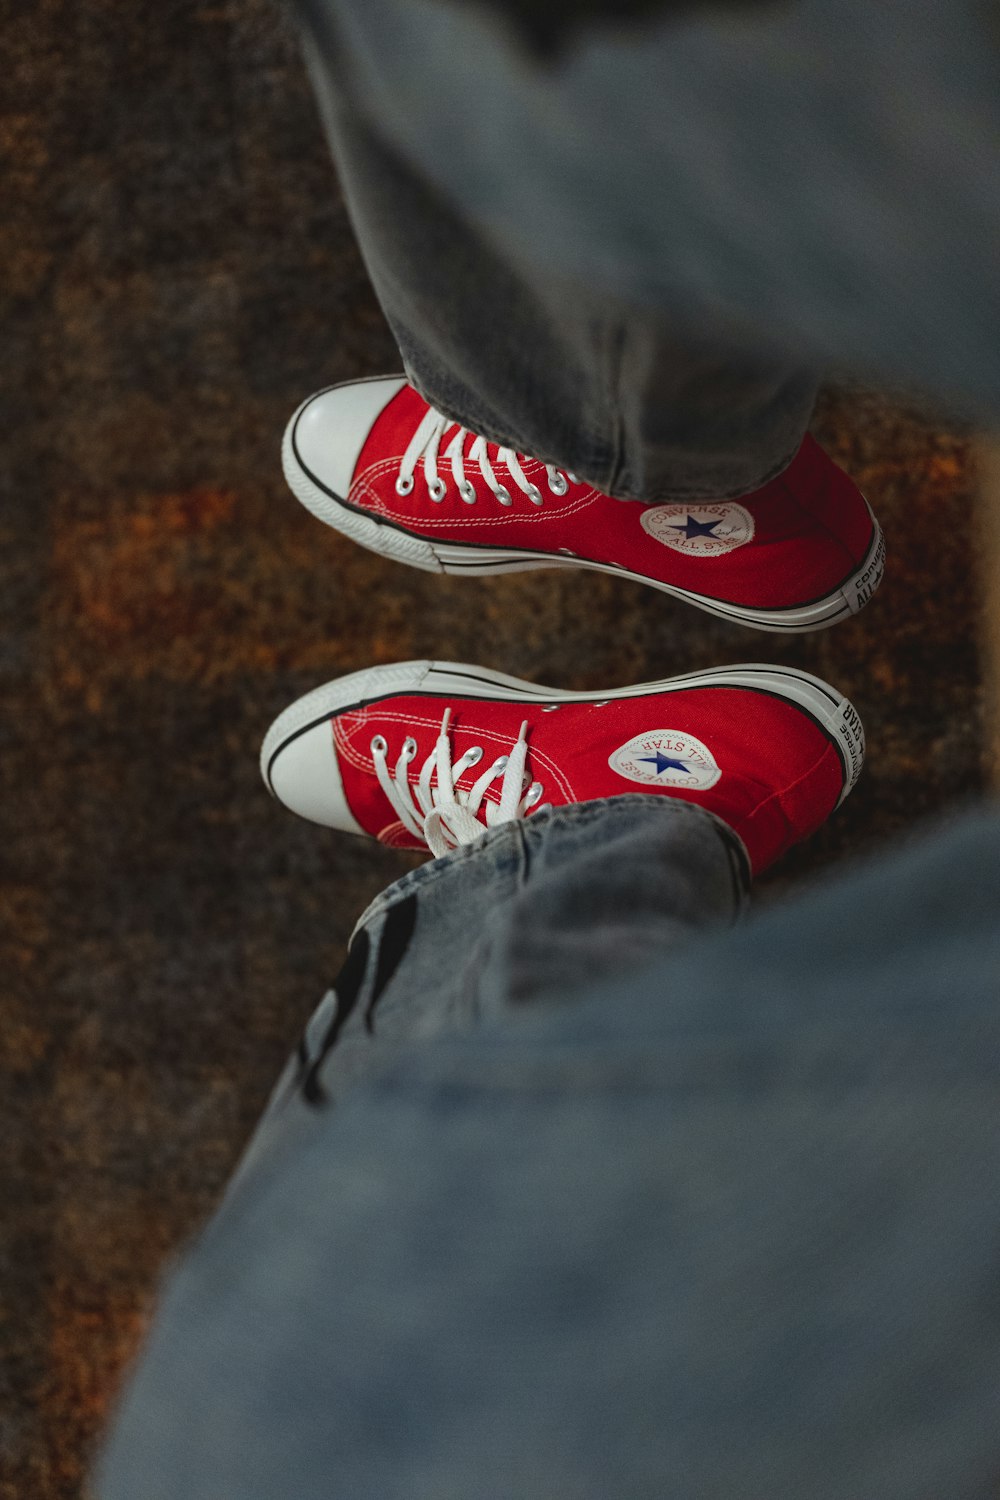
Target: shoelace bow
<point>442,815</point>
<point>425,443</point>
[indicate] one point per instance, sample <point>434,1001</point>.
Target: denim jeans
<point>642,404</point>
<point>574,1189</point>
<point>633,260</point>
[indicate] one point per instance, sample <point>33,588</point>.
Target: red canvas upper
<point>779,775</point>
<point>810,526</point>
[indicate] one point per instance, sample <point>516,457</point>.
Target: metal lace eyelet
<point>404,484</point>
<point>475,755</point>
<point>503,495</point>
<point>558,484</point>
<point>409,748</point>
<point>437,489</point>
<point>535,495</point>
<point>378,745</point>
<point>534,795</point>
<point>467,492</point>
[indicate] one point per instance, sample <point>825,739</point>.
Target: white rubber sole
<point>402,546</point>
<point>830,710</point>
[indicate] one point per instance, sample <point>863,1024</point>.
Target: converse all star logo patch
<point>666,757</point>
<point>703,530</point>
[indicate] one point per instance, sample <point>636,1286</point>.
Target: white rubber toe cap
<point>330,429</point>
<point>305,776</point>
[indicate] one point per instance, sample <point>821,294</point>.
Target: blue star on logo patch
<point>664,763</point>
<point>693,528</point>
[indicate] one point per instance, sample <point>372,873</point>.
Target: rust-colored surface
<point>179,272</point>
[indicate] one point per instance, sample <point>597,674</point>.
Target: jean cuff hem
<point>595,810</point>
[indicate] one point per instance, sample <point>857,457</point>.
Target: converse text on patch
<point>666,758</point>
<point>702,530</point>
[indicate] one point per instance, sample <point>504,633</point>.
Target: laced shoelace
<point>442,815</point>
<point>425,444</point>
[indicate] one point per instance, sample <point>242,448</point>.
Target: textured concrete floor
<point>178,273</point>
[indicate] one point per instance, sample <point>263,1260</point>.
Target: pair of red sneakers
<point>430,754</point>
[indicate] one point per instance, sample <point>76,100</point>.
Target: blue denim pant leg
<point>564,898</point>
<point>725,1226</point>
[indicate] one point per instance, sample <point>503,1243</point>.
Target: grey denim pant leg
<point>642,405</point>
<point>815,183</point>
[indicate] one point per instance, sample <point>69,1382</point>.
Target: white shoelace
<point>425,442</point>
<point>442,815</point>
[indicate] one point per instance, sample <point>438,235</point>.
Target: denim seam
<point>614,359</point>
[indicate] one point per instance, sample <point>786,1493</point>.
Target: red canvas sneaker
<point>373,460</point>
<point>428,754</point>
